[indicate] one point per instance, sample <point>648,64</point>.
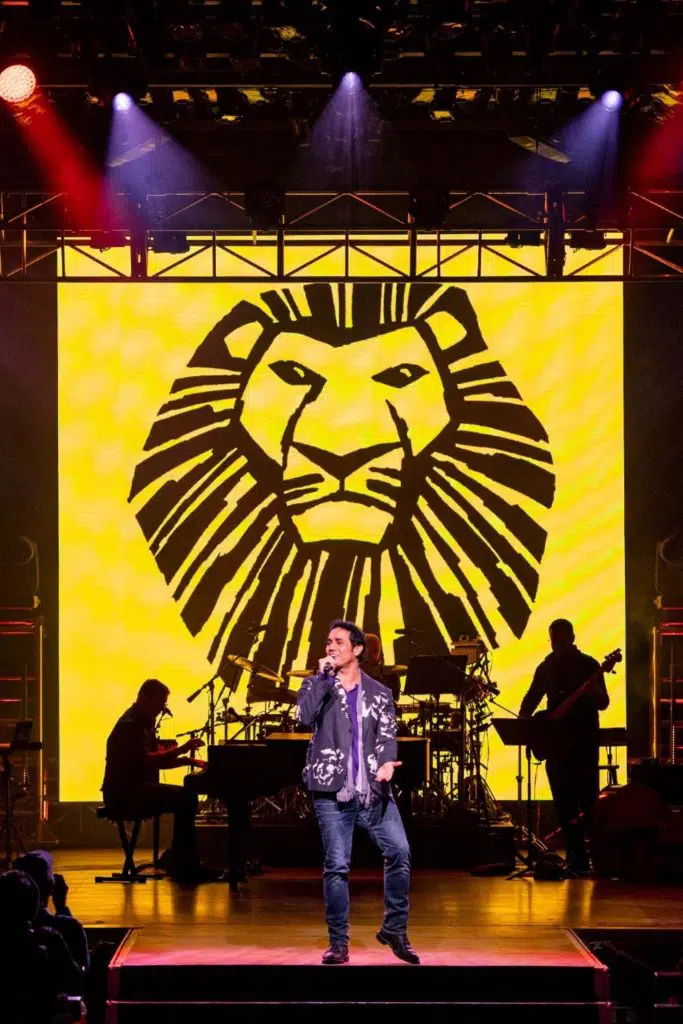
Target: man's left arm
<point>386,747</point>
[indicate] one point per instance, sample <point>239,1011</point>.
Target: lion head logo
<point>346,450</point>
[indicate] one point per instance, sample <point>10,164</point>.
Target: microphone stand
<point>210,685</point>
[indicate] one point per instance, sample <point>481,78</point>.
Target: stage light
<point>17,83</point>
<point>104,240</point>
<point>442,107</point>
<point>171,242</point>
<point>254,96</point>
<point>611,100</point>
<point>587,239</point>
<point>122,102</point>
<point>540,148</point>
<point>424,96</point>
<point>350,80</point>
<point>516,239</point>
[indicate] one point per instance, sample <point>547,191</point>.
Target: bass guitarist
<point>572,763</point>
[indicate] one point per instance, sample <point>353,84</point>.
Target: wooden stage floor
<point>285,906</point>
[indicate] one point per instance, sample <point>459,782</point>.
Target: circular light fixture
<point>122,102</point>
<point>611,100</point>
<point>17,83</point>
<point>351,80</point>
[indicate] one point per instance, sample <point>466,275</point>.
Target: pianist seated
<point>131,784</point>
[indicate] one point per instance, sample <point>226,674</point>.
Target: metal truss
<point>349,236</point>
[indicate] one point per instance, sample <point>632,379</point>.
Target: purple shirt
<point>352,699</point>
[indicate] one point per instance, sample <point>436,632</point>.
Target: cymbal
<point>301,673</point>
<point>394,670</point>
<point>253,667</point>
<point>257,693</point>
<point>268,673</point>
<point>239,661</point>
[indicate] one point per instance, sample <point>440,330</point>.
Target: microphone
<point>406,632</point>
<point>166,711</point>
<point>328,667</point>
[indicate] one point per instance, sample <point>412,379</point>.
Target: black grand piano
<point>243,770</point>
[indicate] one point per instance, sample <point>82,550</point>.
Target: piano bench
<point>131,872</point>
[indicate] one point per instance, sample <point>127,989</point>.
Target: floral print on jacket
<point>322,704</point>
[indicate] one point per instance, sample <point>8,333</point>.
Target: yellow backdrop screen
<point>441,458</point>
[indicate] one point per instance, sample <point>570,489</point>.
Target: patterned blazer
<point>322,703</point>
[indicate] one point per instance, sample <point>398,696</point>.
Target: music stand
<point>524,732</point>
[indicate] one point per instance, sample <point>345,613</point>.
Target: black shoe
<point>336,955</point>
<point>400,945</point>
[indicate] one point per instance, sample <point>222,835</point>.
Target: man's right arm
<point>313,693</point>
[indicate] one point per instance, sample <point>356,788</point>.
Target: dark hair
<point>562,624</point>
<point>19,899</point>
<point>355,632</point>
<point>151,687</point>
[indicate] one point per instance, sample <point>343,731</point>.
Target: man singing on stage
<point>349,766</point>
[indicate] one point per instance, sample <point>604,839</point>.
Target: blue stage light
<point>611,100</point>
<point>122,102</point>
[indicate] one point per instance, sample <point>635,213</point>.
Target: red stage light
<point>17,83</point>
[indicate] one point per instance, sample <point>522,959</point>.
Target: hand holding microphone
<point>326,667</point>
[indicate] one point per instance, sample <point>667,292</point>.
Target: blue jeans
<point>382,822</point>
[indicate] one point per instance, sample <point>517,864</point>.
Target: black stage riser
<point>304,984</point>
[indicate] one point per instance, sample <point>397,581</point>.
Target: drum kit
<point>443,699</point>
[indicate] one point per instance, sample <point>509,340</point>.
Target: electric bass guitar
<point>554,736</point>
